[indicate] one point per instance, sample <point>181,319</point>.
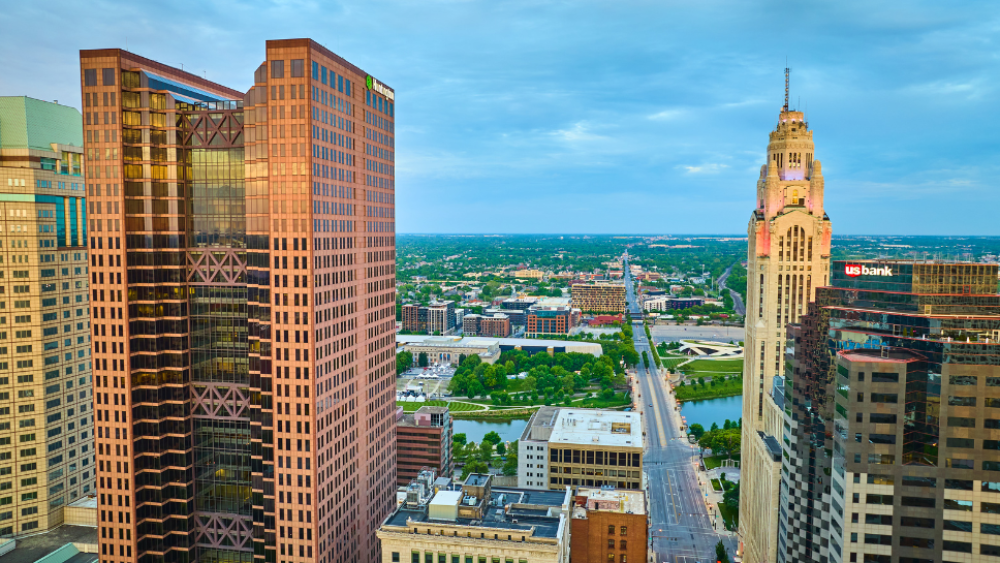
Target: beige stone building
<point>581,448</point>
<point>529,274</point>
<point>599,297</point>
<point>788,258</point>
<point>46,414</point>
<point>475,523</point>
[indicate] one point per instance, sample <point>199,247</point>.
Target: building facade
<point>476,522</point>
<point>47,457</point>
<point>436,318</point>
<point>414,318</point>
<point>599,297</point>
<point>244,395</point>
<point>580,448</point>
<point>608,525</point>
<point>423,440</point>
<point>898,376</point>
<point>788,253</point>
<point>496,325</point>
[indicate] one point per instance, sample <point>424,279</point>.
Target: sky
<point>607,116</point>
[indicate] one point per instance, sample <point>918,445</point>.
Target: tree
<point>715,426</point>
<point>475,389</point>
<point>732,497</point>
<point>485,451</point>
<point>474,467</point>
<point>501,449</point>
<point>422,359</point>
<point>459,439</point>
<point>698,430</point>
<point>645,359</point>
<point>492,437</point>
<point>404,360</point>
<point>727,425</point>
<point>721,555</point>
<point>510,466</point>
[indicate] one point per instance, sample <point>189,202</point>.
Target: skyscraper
<point>892,441</point>
<point>244,253</point>
<point>46,418</point>
<point>788,254</point>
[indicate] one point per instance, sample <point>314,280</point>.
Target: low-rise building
<point>671,303</point>
<point>438,347</point>
<point>477,523</point>
<point>529,274</point>
<point>608,525</point>
<point>581,447</point>
<point>495,325</point>
<point>517,317</point>
<point>599,297</point>
<point>423,440</point>
<point>451,349</point>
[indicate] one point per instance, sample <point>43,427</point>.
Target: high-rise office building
<point>893,441</point>
<point>788,253</point>
<point>243,247</point>
<point>46,418</point>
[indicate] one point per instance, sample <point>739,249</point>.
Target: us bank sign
<point>855,270</point>
<point>380,88</point>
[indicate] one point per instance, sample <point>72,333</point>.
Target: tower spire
<point>786,89</point>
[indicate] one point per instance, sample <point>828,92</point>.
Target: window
<point>992,529</point>
<point>884,520</point>
<point>959,546</point>
<point>611,530</point>
<point>277,69</point>
<point>108,76</point>
<point>961,401</point>
<point>879,499</point>
<point>957,526</point>
<point>884,377</point>
<point>924,543</point>
<point>881,438</point>
<point>989,550</point>
<point>90,77</point>
<point>963,380</point>
<point>880,418</point>
<point>884,398</point>
<point>624,531</point>
<point>958,484</point>
<point>878,539</point>
<point>989,507</point>
<point>967,443</point>
<point>298,68</point>
<point>919,502</point>
<point>955,504</point>
<point>395,557</point>
<point>960,422</point>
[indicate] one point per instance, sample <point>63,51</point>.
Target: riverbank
<point>692,391</point>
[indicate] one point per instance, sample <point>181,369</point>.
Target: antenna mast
<point>786,89</point>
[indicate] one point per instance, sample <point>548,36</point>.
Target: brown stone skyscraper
<point>788,258</point>
<point>243,258</point>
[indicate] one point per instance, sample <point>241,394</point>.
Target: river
<point>474,430</point>
<point>713,410</point>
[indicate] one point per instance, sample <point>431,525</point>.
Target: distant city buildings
<point>563,446</point>
<point>671,303</point>
<point>599,297</point>
<point>438,317</point>
<point>496,325</point>
<point>47,456</point>
<point>608,525</point>
<point>423,440</point>
<point>529,274</point>
<point>449,349</point>
<point>478,522</point>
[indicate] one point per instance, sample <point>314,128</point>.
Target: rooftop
<point>33,548</point>
<point>537,512</point>
<point>596,427</point>
<point>523,343</point>
<point>608,500</point>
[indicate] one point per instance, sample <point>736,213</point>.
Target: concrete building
<point>598,297</point>
<point>530,274</point>
<point>671,303</point>
<point>435,346</point>
<point>478,523</point>
<point>895,375</point>
<point>580,448</point>
<point>496,325</point>
<point>517,317</point>
<point>414,318</point>
<point>788,254</point>
<point>245,394</point>
<point>46,412</point>
<point>520,303</point>
<point>423,440</point>
<point>608,525</point>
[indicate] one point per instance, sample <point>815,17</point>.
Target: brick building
<point>423,439</point>
<point>608,525</point>
<point>599,297</point>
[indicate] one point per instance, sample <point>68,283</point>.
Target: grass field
<point>453,406</point>
<point>729,516</point>
<point>711,462</point>
<point>714,367</point>
<point>717,485</point>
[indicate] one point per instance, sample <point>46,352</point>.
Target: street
<point>738,305</point>
<point>680,523</point>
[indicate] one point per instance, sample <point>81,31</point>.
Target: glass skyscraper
<point>244,352</point>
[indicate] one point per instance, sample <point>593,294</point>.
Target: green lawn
<point>717,485</point>
<point>729,516</point>
<point>714,367</point>
<point>711,462</point>
<point>453,406</point>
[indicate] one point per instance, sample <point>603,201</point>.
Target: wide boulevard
<point>680,522</point>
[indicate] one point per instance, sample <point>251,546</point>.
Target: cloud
<point>668,114</point>
<point>580,132</point>
<point>709,168</point>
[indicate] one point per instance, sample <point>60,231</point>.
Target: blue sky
<point>608,116</point>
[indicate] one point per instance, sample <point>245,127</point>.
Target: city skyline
<point>519,112</point>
